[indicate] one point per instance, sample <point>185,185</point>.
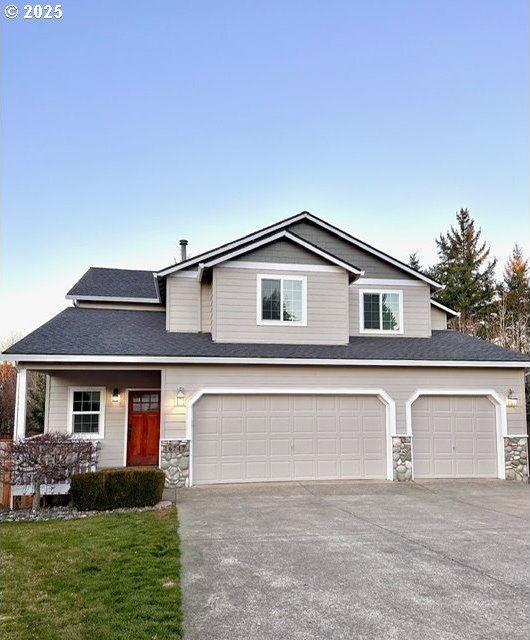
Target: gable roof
<point>304,215</point>
<point>447,310</point>
<point>116,285</point>
<point>81,334</point>
<point>287,235</point>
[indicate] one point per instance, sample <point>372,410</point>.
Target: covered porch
<point>121,409</point>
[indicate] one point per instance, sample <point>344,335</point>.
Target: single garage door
<point>454,437</point>
<point>258,438</point>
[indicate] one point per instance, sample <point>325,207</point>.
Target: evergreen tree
<point>512,312</point>
<point>465,271</point>
<point>414,261</point>
<point>36,402</point>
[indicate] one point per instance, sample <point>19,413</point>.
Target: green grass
<point>108,576</point>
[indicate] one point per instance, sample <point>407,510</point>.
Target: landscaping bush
<point>117,488</point>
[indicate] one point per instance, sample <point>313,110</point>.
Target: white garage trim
<point>390,410</point>
<point>501,420</point>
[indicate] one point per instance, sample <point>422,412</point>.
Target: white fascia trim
<point>115,359</point>
<point>321,223</point>
<point>291,238</point>
<point>113,299</point>
<point>501,415</point>
<point>387,282</point>
<point>451,312</point>
<point>186,274</point>
<point>373,251</point>
<point>231,245</point>
<point>281,266</point>
<point>390,409</point>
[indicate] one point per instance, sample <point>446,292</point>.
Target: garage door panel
<point>256,447</point>
<point>440,404</point>
<point>279,424</point>
<point>256,470</point>
<point>350,446</point>
<point>232,403</point>
<point>350,424</point>
<point>281,437</point>
<point>464,404</point>
<point>327,446</point>
<point>231,448</point>
<point>255,404</point>
<point>486,447</point>
<point>257,425</point>
<point>486,467</point>
<point>302,424</point>
<point>304,446</point>
<point>231,424</point>
<point>350,469</point>
<point>280,447</point>
<point>454,437</point>
<point>280,469</point>
<point>464,446</point>
<point>372,425</point>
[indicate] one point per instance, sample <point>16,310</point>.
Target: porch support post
<point>20,405</point>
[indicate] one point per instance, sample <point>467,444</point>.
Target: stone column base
<point>402,458</point>
<point>175,462</point>
<point>516,458</point>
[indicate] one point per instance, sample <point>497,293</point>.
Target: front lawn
<point>107,576</point>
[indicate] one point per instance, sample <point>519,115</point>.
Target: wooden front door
<point>143,428</point>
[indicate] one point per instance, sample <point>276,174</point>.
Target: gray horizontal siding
<point>438,319</point>
<point>283,251</point>
<point>416,309</point>
<point>235,312</point>
<point>374,266</point>
<point>399,383</point>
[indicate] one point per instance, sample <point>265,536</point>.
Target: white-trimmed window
<point>381,311</point>
<point>282,300</point>
<point>86,410</point>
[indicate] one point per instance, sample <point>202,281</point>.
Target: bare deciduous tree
<point>45,459</point>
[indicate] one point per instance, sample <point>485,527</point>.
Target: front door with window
<point>143,428</point>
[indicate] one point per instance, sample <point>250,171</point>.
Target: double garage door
<point>454,437</point>
<point>258,438</point>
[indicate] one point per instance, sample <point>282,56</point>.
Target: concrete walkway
<point>356,560</point>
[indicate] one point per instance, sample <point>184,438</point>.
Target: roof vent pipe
<point>183,245</point>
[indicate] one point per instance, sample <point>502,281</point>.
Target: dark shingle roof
<point>116,332</point>
<point>116,283</point>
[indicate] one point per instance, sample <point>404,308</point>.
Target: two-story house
<point>296,352</point>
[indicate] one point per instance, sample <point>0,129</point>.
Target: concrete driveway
<point>356,560</point>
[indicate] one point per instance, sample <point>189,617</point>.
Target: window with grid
<point>86,411</point>
<point>282,300</point>
<point>381,311</point>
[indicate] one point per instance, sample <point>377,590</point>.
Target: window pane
<point>292,300</point>
<point>86,401</point>
<point>371,311</point>
<point>391,312</point>
<point>270,299</point>
<point>86,423</point>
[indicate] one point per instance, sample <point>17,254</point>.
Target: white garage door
<point>454,437</point>
<point>257,438</point>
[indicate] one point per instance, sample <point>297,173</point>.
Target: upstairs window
<point>87,407</point>
<point>282,300</point>
<point>381,311</point>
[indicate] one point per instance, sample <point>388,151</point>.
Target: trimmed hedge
<point>117,488</point>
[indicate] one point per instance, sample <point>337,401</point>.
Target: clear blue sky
<point>129,125</point>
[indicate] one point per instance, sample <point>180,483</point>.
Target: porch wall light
<point>511,399</point>
<point>115,396</point>
<point>180,397</point>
